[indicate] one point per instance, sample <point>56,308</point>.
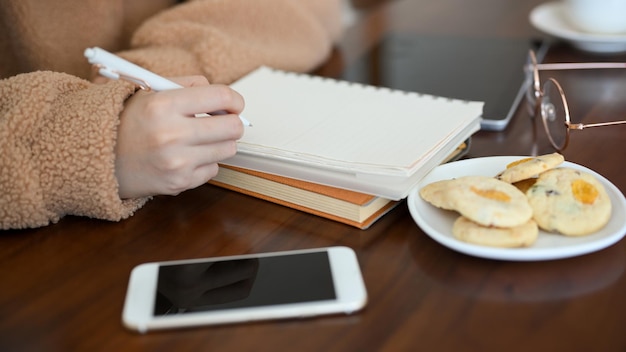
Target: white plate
<point>437,223</point>
<point>550,19</point>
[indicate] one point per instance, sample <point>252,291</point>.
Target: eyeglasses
<point>549,102</point>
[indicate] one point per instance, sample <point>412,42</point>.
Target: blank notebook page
<point>346,126</point>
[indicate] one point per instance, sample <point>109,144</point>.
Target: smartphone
<point>221,290</point>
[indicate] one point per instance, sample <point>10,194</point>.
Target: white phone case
<point>348,284</point>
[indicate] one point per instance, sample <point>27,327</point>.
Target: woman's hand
<point>163,149</point>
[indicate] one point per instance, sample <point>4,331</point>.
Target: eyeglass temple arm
<point>580,65</point>
<point>580,126</point>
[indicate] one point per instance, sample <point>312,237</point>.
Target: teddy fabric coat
<point>58,130</point>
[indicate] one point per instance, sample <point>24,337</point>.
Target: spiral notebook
<point>353,136</point>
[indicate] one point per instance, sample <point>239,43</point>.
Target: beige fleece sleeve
<point>223,40</point>
<point>57,137</point>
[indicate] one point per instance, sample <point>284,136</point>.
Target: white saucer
<point>550,19</point>
<point>437,223</point>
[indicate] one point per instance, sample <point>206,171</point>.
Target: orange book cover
<point>338,193</point>
<point>358,200</point>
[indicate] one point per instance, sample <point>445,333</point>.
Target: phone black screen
<point>238,283</point>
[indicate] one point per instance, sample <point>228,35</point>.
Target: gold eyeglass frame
<point>537,93</point>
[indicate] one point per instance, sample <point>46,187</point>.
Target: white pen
<point>114,67</point>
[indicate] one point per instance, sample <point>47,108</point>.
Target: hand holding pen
<point>114,67</point>
<point>162,149</point>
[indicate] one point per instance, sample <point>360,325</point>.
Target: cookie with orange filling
<point>529,167</point>
<point>482,199</point>
<point>570,202</point>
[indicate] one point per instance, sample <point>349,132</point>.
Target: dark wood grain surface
<point>62,287</point>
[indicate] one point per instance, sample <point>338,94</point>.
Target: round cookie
<point>488,201</point>
<point>529,167</point>
<point>509,237</point>
<point>436,193</point>
<point>570,202</point>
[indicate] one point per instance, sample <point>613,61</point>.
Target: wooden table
<point>63,286</point>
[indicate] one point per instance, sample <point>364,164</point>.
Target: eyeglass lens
<point>554,114</point>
